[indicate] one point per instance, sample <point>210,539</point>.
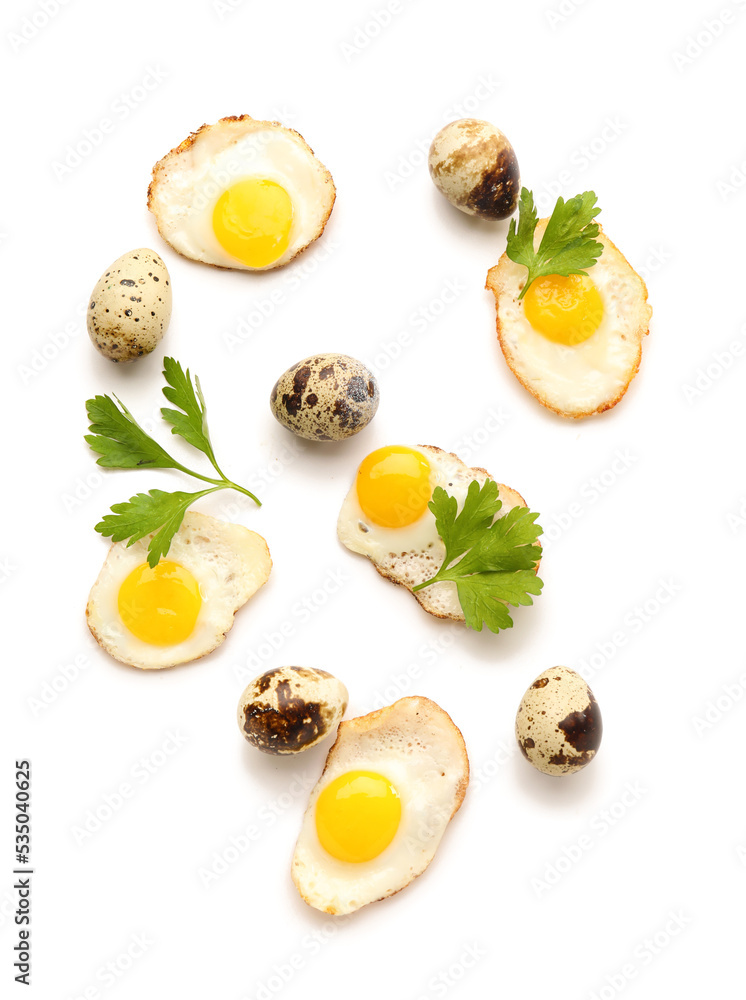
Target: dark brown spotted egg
<point>474,166</point>
<point>130,307</point>
<point>558,726</point>
<point>327,397</point>
<point>291,709</point>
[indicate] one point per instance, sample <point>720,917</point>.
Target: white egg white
<point>229,562</point>
<point>586,378</point>
<point>416,746</point>
<point>188,181</point>
<point>414,553</point>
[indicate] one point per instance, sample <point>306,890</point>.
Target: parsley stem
<point>219,484</point>
<point>211,456</point>
<point>204,493</point>
<point>246,493</point>
<point>198,475</point>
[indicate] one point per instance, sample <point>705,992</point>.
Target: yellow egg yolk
<point>357,816</point>
<point>252,221</point>
<point>160,605</point>
<point>567,310</point>
<point>393,486</point>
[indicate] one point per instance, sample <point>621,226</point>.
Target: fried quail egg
<point>290,709</point>
<point>241,193</point>
<point>558,725</point>
<point>184,607</point>
<point>574,342</point>
<point>386,518</point>
<point>391,783</point>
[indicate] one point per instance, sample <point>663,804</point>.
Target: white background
<point>618,97</point>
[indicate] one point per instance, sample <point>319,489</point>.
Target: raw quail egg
<point>474,166</point>
<point>241,193</point>
<point>391,783</point>
<point>326,397</point>
<point>558,725</point>
<point>385,517</point>
<point>574,342</point>
<point>290,709</point>
<point>184,607</point>
<point>130,306</point>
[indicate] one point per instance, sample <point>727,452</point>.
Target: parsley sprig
<point>121,443</point>
<point>569,244</point>
<point>491,561</point>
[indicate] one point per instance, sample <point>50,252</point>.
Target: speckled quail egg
<point>391,784</point>
<point>326,397</point>
<point>474,166</point>
<point>558,725</point>
<point>290,709</point>
<point>183,607</point>
<point>574,342</point>
<point>130,306</point>
<point>241,193</point>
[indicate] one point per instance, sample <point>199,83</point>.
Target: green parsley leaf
<point>506,546</point>
<point>491,560</point>
<point>120,440</point>
<point>483,598</point>
<point>191,424</point>
<point>144,513</point>
<point>520,246</point>
<point>122,444</point>
<point>460,532</point>
<point>569,244</point>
